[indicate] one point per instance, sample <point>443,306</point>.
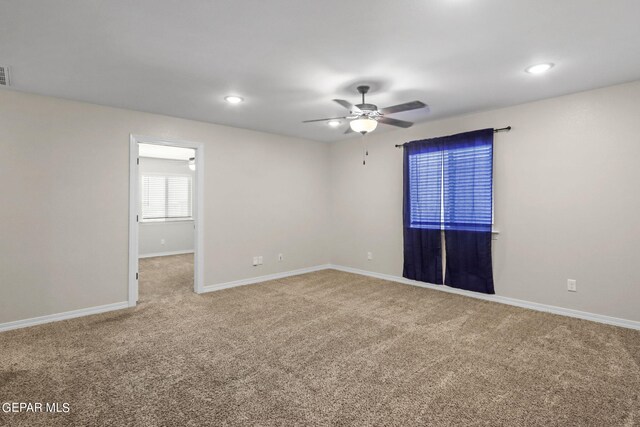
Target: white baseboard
<point>17,324</point>
<point>165,254</point>
<point>252,280</point>
<point>631,324</point>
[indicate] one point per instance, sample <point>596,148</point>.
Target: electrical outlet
<point>280,257</point>
<point>571,285</point>
<point>255,261</point>
<point>369,256</point>
<point>162,241</point>
<point>260,260</point>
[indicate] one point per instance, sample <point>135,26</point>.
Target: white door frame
<point>198,219</point>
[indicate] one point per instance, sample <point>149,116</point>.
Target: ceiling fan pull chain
<point>364,151</point>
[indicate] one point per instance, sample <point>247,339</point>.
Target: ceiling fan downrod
<point>363,89</point>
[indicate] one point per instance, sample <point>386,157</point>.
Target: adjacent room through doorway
<point>166,179</point>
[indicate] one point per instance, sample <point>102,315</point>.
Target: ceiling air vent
<point>4,76</point>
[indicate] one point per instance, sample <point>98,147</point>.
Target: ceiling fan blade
<point>349,130</point>
<point>395,122</point>
<point>413,105</point>
<point>346,104</point>
<point>324,120</point>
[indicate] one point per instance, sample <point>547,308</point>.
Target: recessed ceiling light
<point>233,99</point>
<point>539,68</point>
<point>334,123</point>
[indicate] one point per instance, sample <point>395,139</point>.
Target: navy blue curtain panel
<point>448,185</point>
<point>468,263</point>
<point>422,211</point>
<point>468,210</point>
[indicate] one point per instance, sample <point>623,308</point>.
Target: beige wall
<point>567,199</point>
<point>64,168</point>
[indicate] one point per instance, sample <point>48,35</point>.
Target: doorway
<point>165,200</point>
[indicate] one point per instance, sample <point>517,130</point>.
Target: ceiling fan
<point>365,117</point>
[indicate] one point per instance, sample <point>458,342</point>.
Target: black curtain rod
<point>505,129</point>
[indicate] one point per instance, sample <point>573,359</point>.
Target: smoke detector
<point>4,76</point>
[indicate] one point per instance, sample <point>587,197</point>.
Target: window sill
<point>166,221</point>
<point>494,234</point>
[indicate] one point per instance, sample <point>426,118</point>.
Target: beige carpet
<point>326,348</point>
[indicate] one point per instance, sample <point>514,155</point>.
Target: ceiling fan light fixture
<point>363,125</point>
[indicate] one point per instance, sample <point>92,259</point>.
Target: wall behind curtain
<point>64,169</point>
<point>566,199</point>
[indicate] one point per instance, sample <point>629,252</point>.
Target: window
<point>166,197</point>
<point>447,183</point>
<point>450,186</point>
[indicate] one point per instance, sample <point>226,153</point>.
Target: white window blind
<point>166,197</point>
<point>451,185</point>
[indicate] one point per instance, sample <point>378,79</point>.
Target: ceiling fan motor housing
<point>369,110</point>
<point>367,107</point>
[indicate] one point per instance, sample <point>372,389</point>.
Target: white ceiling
<point>289,58</point>
<point>165,152</point>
